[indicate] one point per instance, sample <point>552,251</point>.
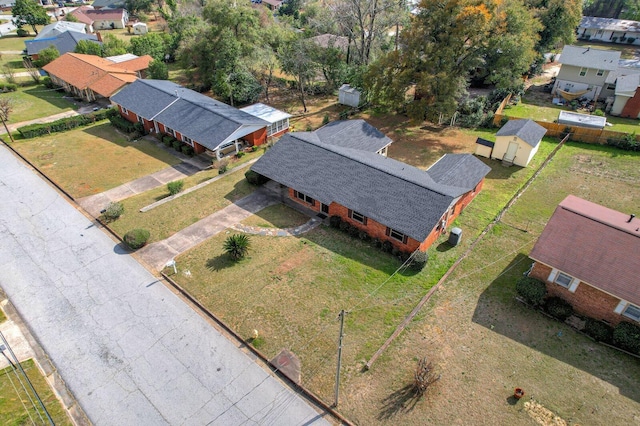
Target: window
<point>611,86</point>
<point>632,312</point>
<point>187,140</point>
<point>170,131</point>
<point>563,279</point>
<point>583,71</point>
<point>304,198</point>
<point>396,235</point>
<point>600,32</point>
<point>140,120</point>
<point>600,73</point>
<point>358,217</point>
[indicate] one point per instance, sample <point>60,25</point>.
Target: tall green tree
<point>296,59</point>
<point>45,56</point>
<point>152,44</point>
<point>89,47</point>
<point>113,46</point>
<point>158,70</point>
<point>559,19</point>
<point>29,12</point>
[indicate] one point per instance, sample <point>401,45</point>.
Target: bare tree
<point>33,71</point>
<point>9,74</point>
<point>424,376</point>
<point>6,106</point>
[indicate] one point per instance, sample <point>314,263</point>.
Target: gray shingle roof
<point>485,142</point>
<point>203,119</point>
<point>527,130</point>
<point>356,134</point>
<point>589,57</point>
<point>108,4</point>
<point>65,42</point>
<point>458,170</point>
<point>392,193</point>
<point>613,24</point>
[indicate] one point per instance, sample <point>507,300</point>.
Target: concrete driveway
<point>128,349</point>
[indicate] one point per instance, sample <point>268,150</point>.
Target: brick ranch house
<point>199,121</point>
<point>588,256</point>
<point>340,170</point>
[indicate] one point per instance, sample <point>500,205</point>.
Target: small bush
<point>113,212</point>
<point>177,145</point>
<point>363,236</point>
<point>395,252</point>
<point>377,243</point>
<point>325,119</point>
<point>387,246</point>
<point>531,290</point>
<point>627,336</point>
<point>598,330</point>
<point>48,83</point>
<point>558,308</point>
<point>187,150</point>
<point>136,238</point>
<point>255,178</point>
<point>167,140</point>
<point>8,87</point>
<point>240,154</point>
<point>21,32</point>
<point>222,169</point>
<point>175,187</point>
<point>354,231</point>
<point>335,221</point>
<point>254,148</point>
<point>598,113</point>
<point>344,226</point>
<point>139,127</point>
<point>419,260</point>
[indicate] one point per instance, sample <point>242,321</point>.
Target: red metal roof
<point>598,245</point>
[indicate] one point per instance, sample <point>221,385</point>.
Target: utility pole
<point>337,389</point>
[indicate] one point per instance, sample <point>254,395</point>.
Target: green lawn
<point>14,61</point>
<point>36,101</point>
<point>627,51</point>
<point>12,42</point>
<point>13,402</point>
<point>278,216</point>
<point>93,159</point>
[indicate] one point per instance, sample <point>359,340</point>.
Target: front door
<point>511,151</point>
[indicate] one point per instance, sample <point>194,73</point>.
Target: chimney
<point>99,36</point>
<point>631,216</point>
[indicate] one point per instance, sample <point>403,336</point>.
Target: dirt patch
<point>542,415</point>
<point>301,258</point>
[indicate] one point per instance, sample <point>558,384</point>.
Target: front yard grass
<point>277,216</point>
<point>12,405</point>
<point>35,101</point>
<point>169,218</point>
<point>93,159</point>
<point>11,42</point>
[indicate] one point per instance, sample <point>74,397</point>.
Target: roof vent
<point>631,216</point>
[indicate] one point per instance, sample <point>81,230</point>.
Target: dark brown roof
<point>595,244</point>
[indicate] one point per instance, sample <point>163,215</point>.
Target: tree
<point>152,44</point>
<point>134,6</point>
<point>236,246</point>
<point>6,106</point>
<point>559,18</point>
<point>45,56</point>
<point>29,12</point>
<point>89,47</point>
<point>113,46</point>
<point>296,60</point>
<point>158,70</point>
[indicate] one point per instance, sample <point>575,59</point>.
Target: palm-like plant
<point>237,246</point>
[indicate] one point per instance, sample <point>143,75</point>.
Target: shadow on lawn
<point>54,97</point>
<point>220,262</point>
<point>498,311</point>
<point>401,401</point>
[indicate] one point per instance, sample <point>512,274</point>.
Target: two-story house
<point>585,70</point>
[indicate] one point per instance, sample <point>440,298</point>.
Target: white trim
<point>552,275</point>
<point>620,307</point>
<point>574,285</point>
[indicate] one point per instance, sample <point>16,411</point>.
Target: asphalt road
<point>129,350</point>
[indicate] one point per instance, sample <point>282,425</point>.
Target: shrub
<point>136,238</point>
<point>21,32</point>
<point>8,87</point>
<point>175,187</point>
<point>627,143</point>
<point>419,260</point>
<point>325,119</point>
<point>627,336</point>
<point>531,290</point>
<point>236,246</point>
<point>68,123</point>
<point>354,231</point>
<point>558,308</point>
<point>187,150</point>
<point>598,330</point>
<point>113,212</point>
<point>363,236</point>
<point>139,127</point>
<point>395,252</point>
<point>240,154</point>
<point>254,148</point>
<point>377,243</point>
<point>255,178</point>
<point>335,221</point>
<point>177,145</point>
<point>344,226</point>
<point>222,169</point>
<point>387,246</point>
<point>167,140</point>
<point>598,113</point>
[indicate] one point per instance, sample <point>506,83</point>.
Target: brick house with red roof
<point>91,77</point>
<point>588,256</point>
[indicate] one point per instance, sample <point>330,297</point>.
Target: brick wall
<point>632,108</point>
<point>257,138</point>
<point>587,300</point>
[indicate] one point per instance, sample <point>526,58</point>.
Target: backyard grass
<point>485,344</point>
<point>628,51</point>
<point>12,402</point>
<point>93,159</point>
<point>12,42</point>
<point>13,61</point>
<point>166,219</point>
<point>278,216</point>
<point>35,101</point>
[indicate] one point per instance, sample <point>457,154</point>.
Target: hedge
<point>627,336</point>
<point>8,87</point>
<point>531,290</point>
<point>558,308</point>
<point>122,124</point>
<point>136,238</point>
<point>598,330</point>
<point>40,129</point>
<point>257,179</point>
